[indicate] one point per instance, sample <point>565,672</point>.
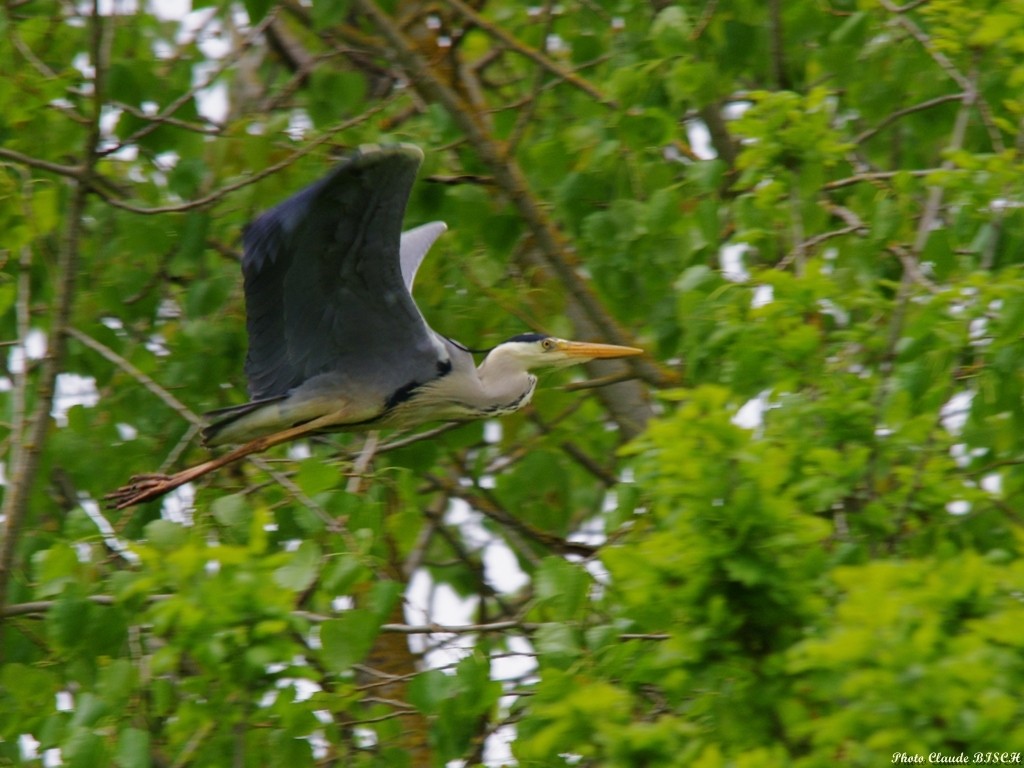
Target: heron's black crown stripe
<point>523,337</point>
<point>528,337</point>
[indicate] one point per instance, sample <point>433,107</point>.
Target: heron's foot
<point>141,488</point>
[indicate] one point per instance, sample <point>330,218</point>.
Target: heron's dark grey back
<point>324,288</point>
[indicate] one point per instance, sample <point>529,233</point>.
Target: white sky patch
<point>958,507</point>
<point>751,413</point>
<point>178,506</point>
<point>698,136</point>
<point>299,450</point>
<point>501,569</point>
<point>430,602</point>
<point>733,268</point>
<point>700,140</point>
<point>126,431</point>
<point>166,161</point>
<point>498,747</point>
<point>211,38</point>
<point>837,313</point>
<point>299,124</point>
<point>556,44</point>
<point>993,483</point>
<point>763,294</point>
<point>955,412</point>
<point>81,62</point>
<point>468,521</point>
<point>212,102</point>
<point>343,603</point>
<point>33,349</point>
<point>492,431</point>
<point>730,260</point>
<point>112,7</point>
<point>591,532</point>
<point>215,43</point>
<point>28,746</point>
<point>92,509</point>
<point>157,344</point>
<point>72,390</point>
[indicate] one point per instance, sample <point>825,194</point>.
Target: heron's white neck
<point>504,378</point>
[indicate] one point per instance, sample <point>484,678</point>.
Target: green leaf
<point>302,569</point>
<point>557,644</point>
<point>232,511</point>
<point>334,94</point>
<point>84,749</point>
<point>561,588</point>
<point>316,475</point>
<point>186,179</point>
<point>55,568</point>
<point>384,596</point>
<point>133,749</point>
<point>327,13</point>
<point>429,690</point>
<point>89,708</point>
<point>165,535</point>
<point>347,640</point>
<point>671,31</point>
<point>257,9</point>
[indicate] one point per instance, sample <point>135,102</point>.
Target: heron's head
<point>535,350</point>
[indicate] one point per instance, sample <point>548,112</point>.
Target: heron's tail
<point>241,423</point>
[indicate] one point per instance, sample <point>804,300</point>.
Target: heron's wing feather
<point>415,244</point>
<point>324,283</point>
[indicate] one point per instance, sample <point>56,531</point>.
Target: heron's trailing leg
<point>148,487</point>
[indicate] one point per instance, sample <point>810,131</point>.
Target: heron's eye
<point>547,345</point>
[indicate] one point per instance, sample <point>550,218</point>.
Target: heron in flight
<point>336,341</point>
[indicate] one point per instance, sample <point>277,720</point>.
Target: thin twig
<point>162,394</point>
<point>41,607</point>
<point>705,19</point>
<point>526,113</point>
<point>490,508</point>
<point>71,171</point>
<point>810,243</point>
<point>363,461</point>
<point>894,116</point>
<point>531,53</point>
<point>944,62</point>
<point>332,524</point>
<point>875,176</point>
<point>219,194</point>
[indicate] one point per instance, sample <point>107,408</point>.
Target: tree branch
<point>24,459</point>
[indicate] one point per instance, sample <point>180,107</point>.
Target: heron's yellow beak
<point>583,350</point>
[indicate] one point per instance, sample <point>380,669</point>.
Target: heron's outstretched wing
<point>415,244</point>
<point>325,288</point>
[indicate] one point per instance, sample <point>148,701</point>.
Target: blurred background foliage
<point>789,536</point>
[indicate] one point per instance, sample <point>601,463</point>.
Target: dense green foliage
<point>792,538</point>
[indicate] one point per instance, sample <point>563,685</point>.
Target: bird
<point>336,341</point>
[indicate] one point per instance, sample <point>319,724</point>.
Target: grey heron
<point>336,341</point>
